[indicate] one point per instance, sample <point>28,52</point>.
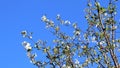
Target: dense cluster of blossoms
<point>96,46</point>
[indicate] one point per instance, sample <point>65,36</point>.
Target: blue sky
<point>18,15</point>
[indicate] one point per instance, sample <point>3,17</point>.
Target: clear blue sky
<point>18,15</point>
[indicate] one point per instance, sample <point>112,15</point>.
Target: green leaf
<point>102,10</point>
<point>97,34</point>
<point>118,41</point>
<point>55,50</point>
<point>101,35</point>
<point>44,50</point>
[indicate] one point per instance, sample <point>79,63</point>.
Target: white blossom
<point>29,54</point>
<point>115,13</point>
<point>89,4</point>
<point>102,42</point>
<point>68,47</point>
<point>97,25</point>
<point>62,42</point>
<point>119,50</point>
<point>74,25</point>
<point>114,45</point>
<point>105,14</point>
<point>55,41</point>
<point>67,22</point>
<point>81,46</point>
<point>58,16</point>
<point>97,4</point>
<point>114,27</point>
<point>93,39</point>
<point>76,61</point>
<point>64,66</point>
<point>88,60</point>
<point>26,45</point>
<point>44,18</point>
<point>113,40</point>
<point>68,67</point>
<point>57,28</point>
<point>51,23</point>
<point>30,37</point>
<point>77,32</point>
<point>33,61</point>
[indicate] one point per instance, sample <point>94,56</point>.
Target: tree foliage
<point>98,46</point>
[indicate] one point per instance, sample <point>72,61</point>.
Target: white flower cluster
<point>27,46</point>
<point>49,23</point>
<point>67,22</point>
